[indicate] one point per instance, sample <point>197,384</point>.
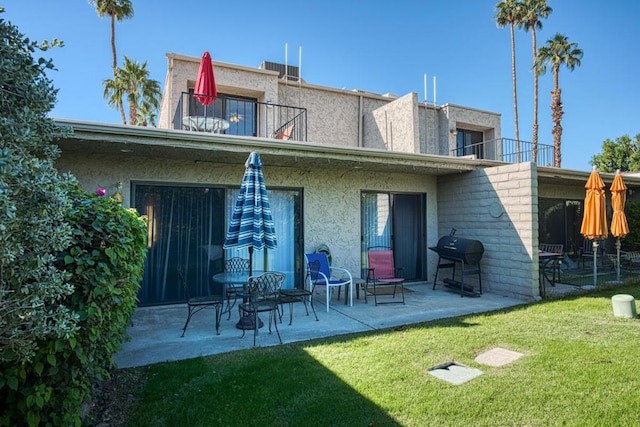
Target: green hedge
<point>105,263</point>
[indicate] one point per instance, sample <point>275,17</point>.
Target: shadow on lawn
<point>294,384</point>
<point>262,390</point>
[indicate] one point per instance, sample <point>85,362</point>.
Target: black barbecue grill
<point>457,250</point>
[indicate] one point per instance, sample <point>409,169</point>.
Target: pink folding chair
<point>383,275</point>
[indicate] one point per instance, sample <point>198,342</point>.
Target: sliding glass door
<point>469,142</point>
<point>559,221</point>
<point>397,221</point>
<point>285,206</point>
<point>187,228</point>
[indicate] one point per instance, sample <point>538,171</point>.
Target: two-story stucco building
<point>345,168</point>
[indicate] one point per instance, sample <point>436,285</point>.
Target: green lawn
<point>581,368</point>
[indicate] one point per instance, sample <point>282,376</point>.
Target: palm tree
<point>557,51</point>
<point>533,11</point>
<point>114,91</point>
<point>117,10</point>
<point>146,115</point>
<point>509,12</point>
<point>132,81</point>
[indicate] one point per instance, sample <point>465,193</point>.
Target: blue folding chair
<point>322,274</point>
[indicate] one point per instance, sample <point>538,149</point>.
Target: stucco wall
<point>242,81</point>
<point>331,199</point>
<point>397,122</point>
<point>356,119</point>
<point>428,125</point>
<point>332,117</point>
<point>351,118</point>
<point>499,207</point>
<point>470,119</point>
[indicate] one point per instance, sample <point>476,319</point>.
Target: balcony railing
<point>242,117</point>
<point>504,150</point>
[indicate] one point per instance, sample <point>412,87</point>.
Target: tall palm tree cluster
<point>132,80</point>
<point>558,51</point>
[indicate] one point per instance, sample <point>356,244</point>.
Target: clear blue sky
<point>384,46</point>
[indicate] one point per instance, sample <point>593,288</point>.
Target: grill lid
<point>459,249</point>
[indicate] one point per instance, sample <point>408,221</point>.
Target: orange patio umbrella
<point>594,218</point>
<point>619,225</point>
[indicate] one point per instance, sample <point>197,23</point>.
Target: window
<point>469,142</point>
<point>285,208</point>
<point>187,227</point>
<point>397,221</point>
<point>559,221</point>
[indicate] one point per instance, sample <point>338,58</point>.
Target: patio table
<point>205,124</point>
<point>239,278</point>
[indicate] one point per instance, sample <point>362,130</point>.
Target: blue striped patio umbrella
<point>251,224</point>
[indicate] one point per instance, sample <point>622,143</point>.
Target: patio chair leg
<point>312,308</point>
<point>328,296</point>
<point>230,305</point>
<point>218,317</point>
<point>184,328</point>
<point>375,294</point>
<point>256,326</point>
<point>281,311</point>
<point>277,331</point>
<point>290,313</point>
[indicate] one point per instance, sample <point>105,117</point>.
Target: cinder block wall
<point>499,207</point>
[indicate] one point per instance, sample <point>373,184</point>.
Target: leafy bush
<point>105,263</point>
<point>33,201</point>
<point>70,263</point>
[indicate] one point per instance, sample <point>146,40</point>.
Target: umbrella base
<point>249,322</point>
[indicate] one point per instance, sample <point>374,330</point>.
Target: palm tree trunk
<point>515,95</point>
<point>121,108</point>
<point>534,139</point>
<point>556,115</point>
<point>113,42</point>
<point>133,113</point>
<point>115,65</point>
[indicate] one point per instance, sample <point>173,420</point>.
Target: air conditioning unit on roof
<point>291,71</point>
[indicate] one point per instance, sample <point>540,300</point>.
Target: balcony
<point>241,117</point>
<point>504,150</point>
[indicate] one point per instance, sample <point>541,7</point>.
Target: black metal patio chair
<point>234,291</point>
<point>304,295</point>
<point>263,292</point>
<point>200,302</point>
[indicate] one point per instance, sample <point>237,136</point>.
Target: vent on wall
<point>290,70</point>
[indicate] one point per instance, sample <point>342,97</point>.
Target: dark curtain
<point>408,232</point>
<point>186,230</point>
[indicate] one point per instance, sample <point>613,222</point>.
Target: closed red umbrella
<point>205,90</point>
<point>619,225</point>
<point>594,219</point>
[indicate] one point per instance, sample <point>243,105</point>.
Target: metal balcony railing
<point>242,117</point>
<point>505,150</point>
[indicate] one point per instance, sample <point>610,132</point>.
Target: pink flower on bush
<point>101,191</point>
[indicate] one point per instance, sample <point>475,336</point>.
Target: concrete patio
<point>155,333</point>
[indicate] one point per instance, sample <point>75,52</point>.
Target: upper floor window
<point>469,142</point>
